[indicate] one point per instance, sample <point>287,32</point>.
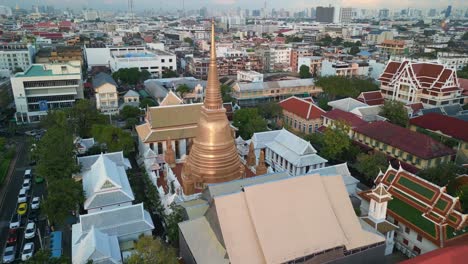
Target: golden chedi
<point>213,157</point>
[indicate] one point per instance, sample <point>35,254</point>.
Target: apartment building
<point>198,67</point>
<point>249,76</point>
<point>44,87</point>
<point>454,61</point>
<point>313,62</point>
<point>413,150</point>
<point>13,56</point>
<point>59,54</point>
<point>341,68</point>
<point>301,115</point>
<point>251,94</point>
<point>393,47</point>
<point>428,83</point>
<point>105,87</point>
<point>154,61</point>
<point>296,54</point>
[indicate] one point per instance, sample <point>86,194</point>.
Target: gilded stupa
<point>213,157</point>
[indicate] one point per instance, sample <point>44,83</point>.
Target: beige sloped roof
<point>202,242</point>
<point>174,115</point>
<point>260,225</point>
<point>171,99</point>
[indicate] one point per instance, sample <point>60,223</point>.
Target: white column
<point>182,146</point>
<point>163,146</point>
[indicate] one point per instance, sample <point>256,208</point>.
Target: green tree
<point>172,224</point>
<point>395,112</point>
<point>131,75</point>
<point>337,41</point>
<point>114,138</point>
<point>83,116</point>
<point>18,69</point>
<point>144,75</point>
<point>152,251</point>
<point>129,111</point>
<point>354,50</point>
<point>226,93</point>
<point>325,41</point>
<point>169,74</point>
<point>442,174</point>
<point>44,257</point>
<point>304,72</point>
<point>131,122</point>
<point>465,36</point>
<point>270,110</point>
<point>340,86</point>
<point>182,90</point>
<point>248,121</point>
<point>188,40</point>
<point>64,195</point>
<point>147,102</point>
<point>55,154</point>
<point>462,193</point>
<point>336,140</point>
<point>463,73</point>
<point>370,165</point>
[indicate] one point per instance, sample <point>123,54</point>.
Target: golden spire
<point>213,99</point>
<point>251,159</point>
<point>213,157</point>
<point>261,168</point>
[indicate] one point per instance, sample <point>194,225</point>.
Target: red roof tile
<point>450,126</point>
<point>350,118</point>
<point>463,84</point>
<point>416,107</point>
<point>448,255</point>
<point>371,98</point>
<point>415,143</point>
<point>302,108</point>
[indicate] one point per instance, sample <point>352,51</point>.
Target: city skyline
<point>226,4</point>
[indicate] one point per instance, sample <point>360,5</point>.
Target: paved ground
<point>8,200</point>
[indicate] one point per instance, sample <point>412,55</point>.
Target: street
<point>8,200</point>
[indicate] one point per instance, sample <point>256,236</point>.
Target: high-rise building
<point>383,13</point>
<point>448,12</point>
<point>432,12</point>
<point>312,12</point>
<point>203,12</point>
<point>325,14</point>
<point>213,157</point>
<point>346,15</point>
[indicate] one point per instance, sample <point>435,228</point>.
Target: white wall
<point>97,56</point>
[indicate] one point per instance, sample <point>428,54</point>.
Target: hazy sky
<point>251,4</point>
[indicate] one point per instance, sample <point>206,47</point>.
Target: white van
<point>22,196</point>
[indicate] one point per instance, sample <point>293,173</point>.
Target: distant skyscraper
<point>346,15</point>
<point>256,13</point>
<point>383,13</point>
<point>203,12</point>
<point>448,12</point>
<point>325,14</point>
<point>312,12</point>
<point>432,12</point>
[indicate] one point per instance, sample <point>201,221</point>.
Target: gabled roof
<point>96,246</point>
<point>302,108</point>
<point>246,220</point>
<point>447,125</point>
<point>105,184</point>
<point>415,143</point>
<point>171,99</point>
<point>174,115</point>
<point>423,206</point>
<point>121,221</point>
<point>339,169</point>
<point>87,161</point>
<point>425,75</point>
<point>371,98</point>
<point>131,93</point>
<point>103,78</point>
<point>289,146</point>
<point>347,117</point>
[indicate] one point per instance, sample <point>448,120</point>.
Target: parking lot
<point>8,203</point>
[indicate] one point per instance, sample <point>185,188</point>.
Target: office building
<point>325,14</point>
<point>16,56</point>
<point>44,87</point>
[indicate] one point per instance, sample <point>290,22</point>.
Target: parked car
<point>22,208</point>
<point>28,251</point>
<point>9,254</point>
<point>35,203</point>
<point>15,221</point>
<point>12,236</point>
<point>27,174</point>
<point>22,196</point>
<point>30,132</point>
<point>30,230</point>
<point>27,184</point>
